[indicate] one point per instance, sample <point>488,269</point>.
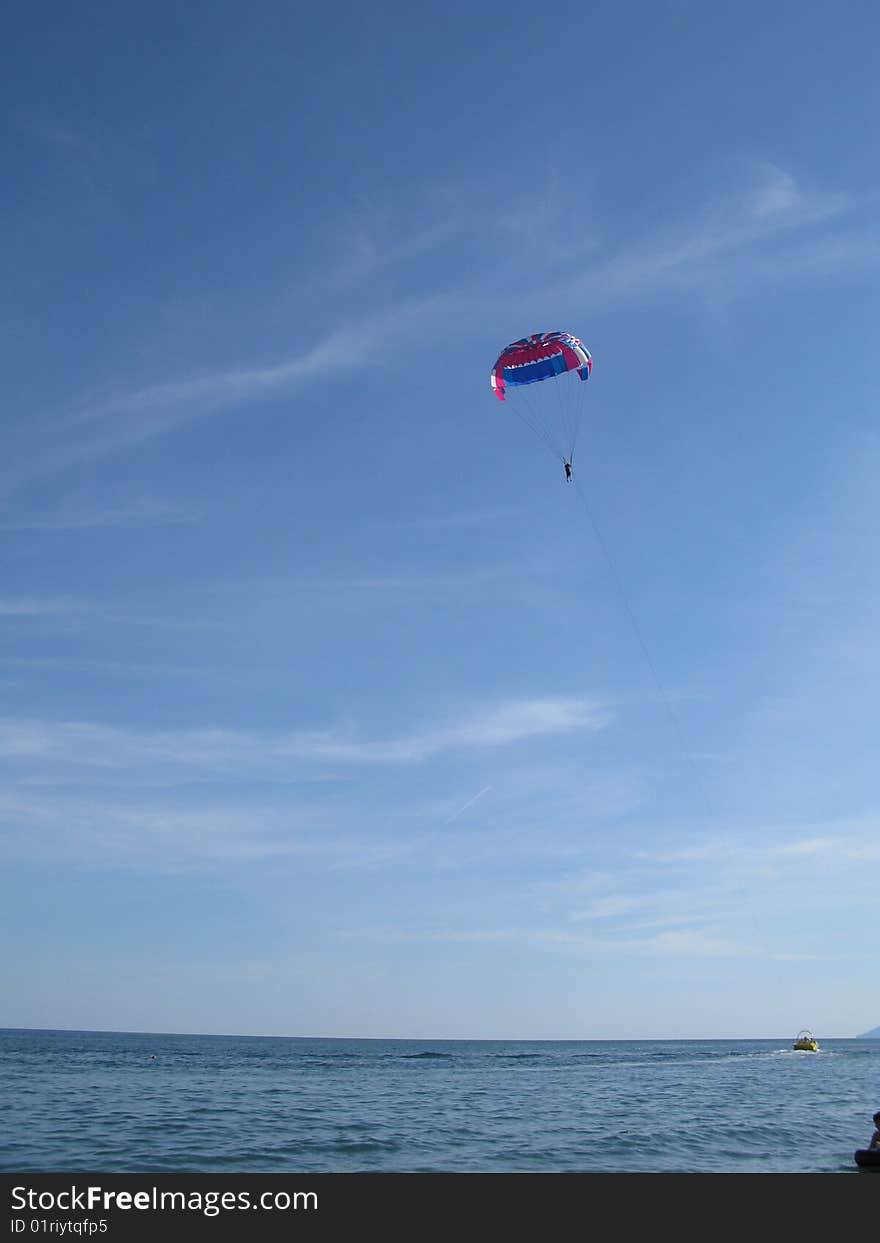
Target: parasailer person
<point>568,472</point>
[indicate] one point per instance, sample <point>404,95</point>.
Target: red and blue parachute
<point>554,411</point>
<point>539,357</point>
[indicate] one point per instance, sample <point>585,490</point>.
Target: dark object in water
<point>868,1158</point>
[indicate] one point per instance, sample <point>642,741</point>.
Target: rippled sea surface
<point>123,1102</point>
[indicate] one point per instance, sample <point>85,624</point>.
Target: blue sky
<point>326,707</point>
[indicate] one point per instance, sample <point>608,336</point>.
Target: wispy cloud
<point>100,425</point>
<point>145,511</point>
<point>763,223</point>
<point>25,606</point>
<point>494,727</point>
<point>168,837</point>
<point>352,591</point>
<point>663,897</point>
<point>731,241</point>
<point>95,746</point>
<point>771,226</point>
<point>72,612</point>
<point>123,669</point>
<point>375,237</point>
<point>845,840</point>
<point>699,942</point>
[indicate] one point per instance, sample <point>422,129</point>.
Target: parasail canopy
<point>542,356</point>
<point>553,410</point>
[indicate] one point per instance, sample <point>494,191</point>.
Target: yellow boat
<point>806,1042</point>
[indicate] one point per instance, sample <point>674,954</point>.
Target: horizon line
<point>110,1031</point>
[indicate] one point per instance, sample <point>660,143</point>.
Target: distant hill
<point>874,1034</point>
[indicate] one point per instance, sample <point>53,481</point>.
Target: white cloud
<point>73,612</point>
<point>490,727</point>
<point>98,426</point>
<point>28,606</point>
<point>143,512</point>
<point>704,943</point>
<point>696,942</point>
<point>840,842</point>
<point>722,244</point>
<point>777,194</point>
<point>167,837</point>
<point>91,745</point>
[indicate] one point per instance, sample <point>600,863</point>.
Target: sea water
<point>114,1102</point>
